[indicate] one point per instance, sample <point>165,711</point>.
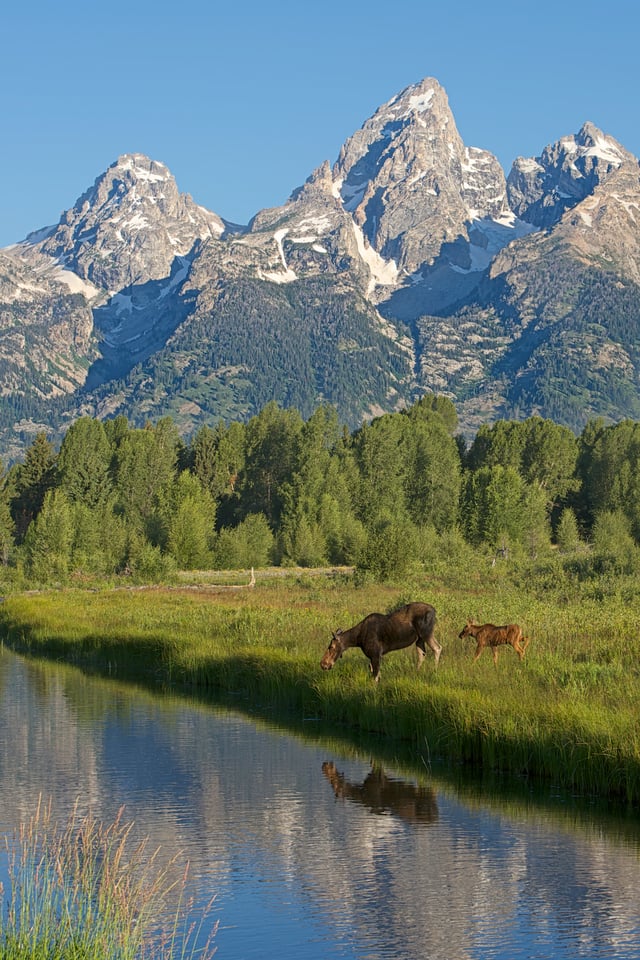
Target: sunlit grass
<point>568,713</point>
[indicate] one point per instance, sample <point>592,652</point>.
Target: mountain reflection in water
<point>405,868</point>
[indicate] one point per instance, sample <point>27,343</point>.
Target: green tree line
<point>282,490</point>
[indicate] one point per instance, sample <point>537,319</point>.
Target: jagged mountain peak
<point>400,268</point>
<point>591,141</point>
<point>127,228</point>
<point>541,189</point>
<point>411,103</point>
<point>141,165</point>
<point>410,182</point>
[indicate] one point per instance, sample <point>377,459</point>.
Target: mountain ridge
<point>411,264</point>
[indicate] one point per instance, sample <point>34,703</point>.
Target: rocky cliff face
<point>128,228</point>
<point>128,243</point>
<point>410,264</point>
<point>411,184</point>
<point>47,330</point>
<point>541,189</point>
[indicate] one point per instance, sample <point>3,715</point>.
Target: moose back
<point>380,633</point>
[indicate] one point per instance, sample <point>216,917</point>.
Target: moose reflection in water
<point>380,633</point>
<point>382,794</point>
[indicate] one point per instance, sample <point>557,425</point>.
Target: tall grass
<point>82,890</point>
<point>568,713</point>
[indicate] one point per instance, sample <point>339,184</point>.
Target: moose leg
<point>432,643</point>
<point>435,646</point>
<point>479,650</point>
<point>494,651</point>
<point>374,663</point>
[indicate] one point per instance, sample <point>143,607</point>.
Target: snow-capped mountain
<point>409,264</point>
<point>127,229</point>
<point>411,183</point>
<point>540,189</point>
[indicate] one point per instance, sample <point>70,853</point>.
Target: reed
<point>567,714</point>
<point>82,890</point>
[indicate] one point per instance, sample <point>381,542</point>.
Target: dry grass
<point>82,890</point>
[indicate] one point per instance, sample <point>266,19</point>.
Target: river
<point>316,849</point>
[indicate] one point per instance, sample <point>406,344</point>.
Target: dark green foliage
<point>250,544</point>
<point>610,471</point>
<point>49,540</point>
<point>567,532</point>
<point>549,335</point>
<point>543,453</point>
<point>119,499</point>
<point>580,356</point>
<point>409,467</point>
<point>32,480</point>
<point>272,442</point>
<point>84,463</point>
<point>216,457</point>
<point>190,523</point>
<point>299,345</point>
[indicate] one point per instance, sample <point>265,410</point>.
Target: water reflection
<point>297,873</point>
<point>382,794</point>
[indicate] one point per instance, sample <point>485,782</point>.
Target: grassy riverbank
<point>568,714</point>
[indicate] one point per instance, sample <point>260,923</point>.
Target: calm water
<point>311,850</point>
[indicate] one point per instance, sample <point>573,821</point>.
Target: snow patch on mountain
<point>279,276</point>
<point>383,272</point>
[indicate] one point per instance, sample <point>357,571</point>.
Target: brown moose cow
<point>380,633</point>
<point>487,635</point>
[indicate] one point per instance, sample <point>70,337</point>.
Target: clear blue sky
<point>242,100</point>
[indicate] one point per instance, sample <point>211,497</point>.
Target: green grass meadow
<point>568,714</point>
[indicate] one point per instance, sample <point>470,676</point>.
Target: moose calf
<point>488,635</point>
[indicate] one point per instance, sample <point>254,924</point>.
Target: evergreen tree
<point>380,457</point>
<point>497,444</point>
<point>431,404</point>
<point>32,480</point>
<point>567,533</point>
<point>499,509</point>
<point>611,472</point>
<point>48,541</point>
<point>116,430</point>
<point>217,459</point>
<point>549,459</point>
<point>302,538</point>
<point>344,535</point>
<point>7,526</point>
<point>99,543</point>
<point>145,470</point>
<point>432,486</point>
<point>190,524</point>
<point>84,463</point>
<point>272,446</point>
